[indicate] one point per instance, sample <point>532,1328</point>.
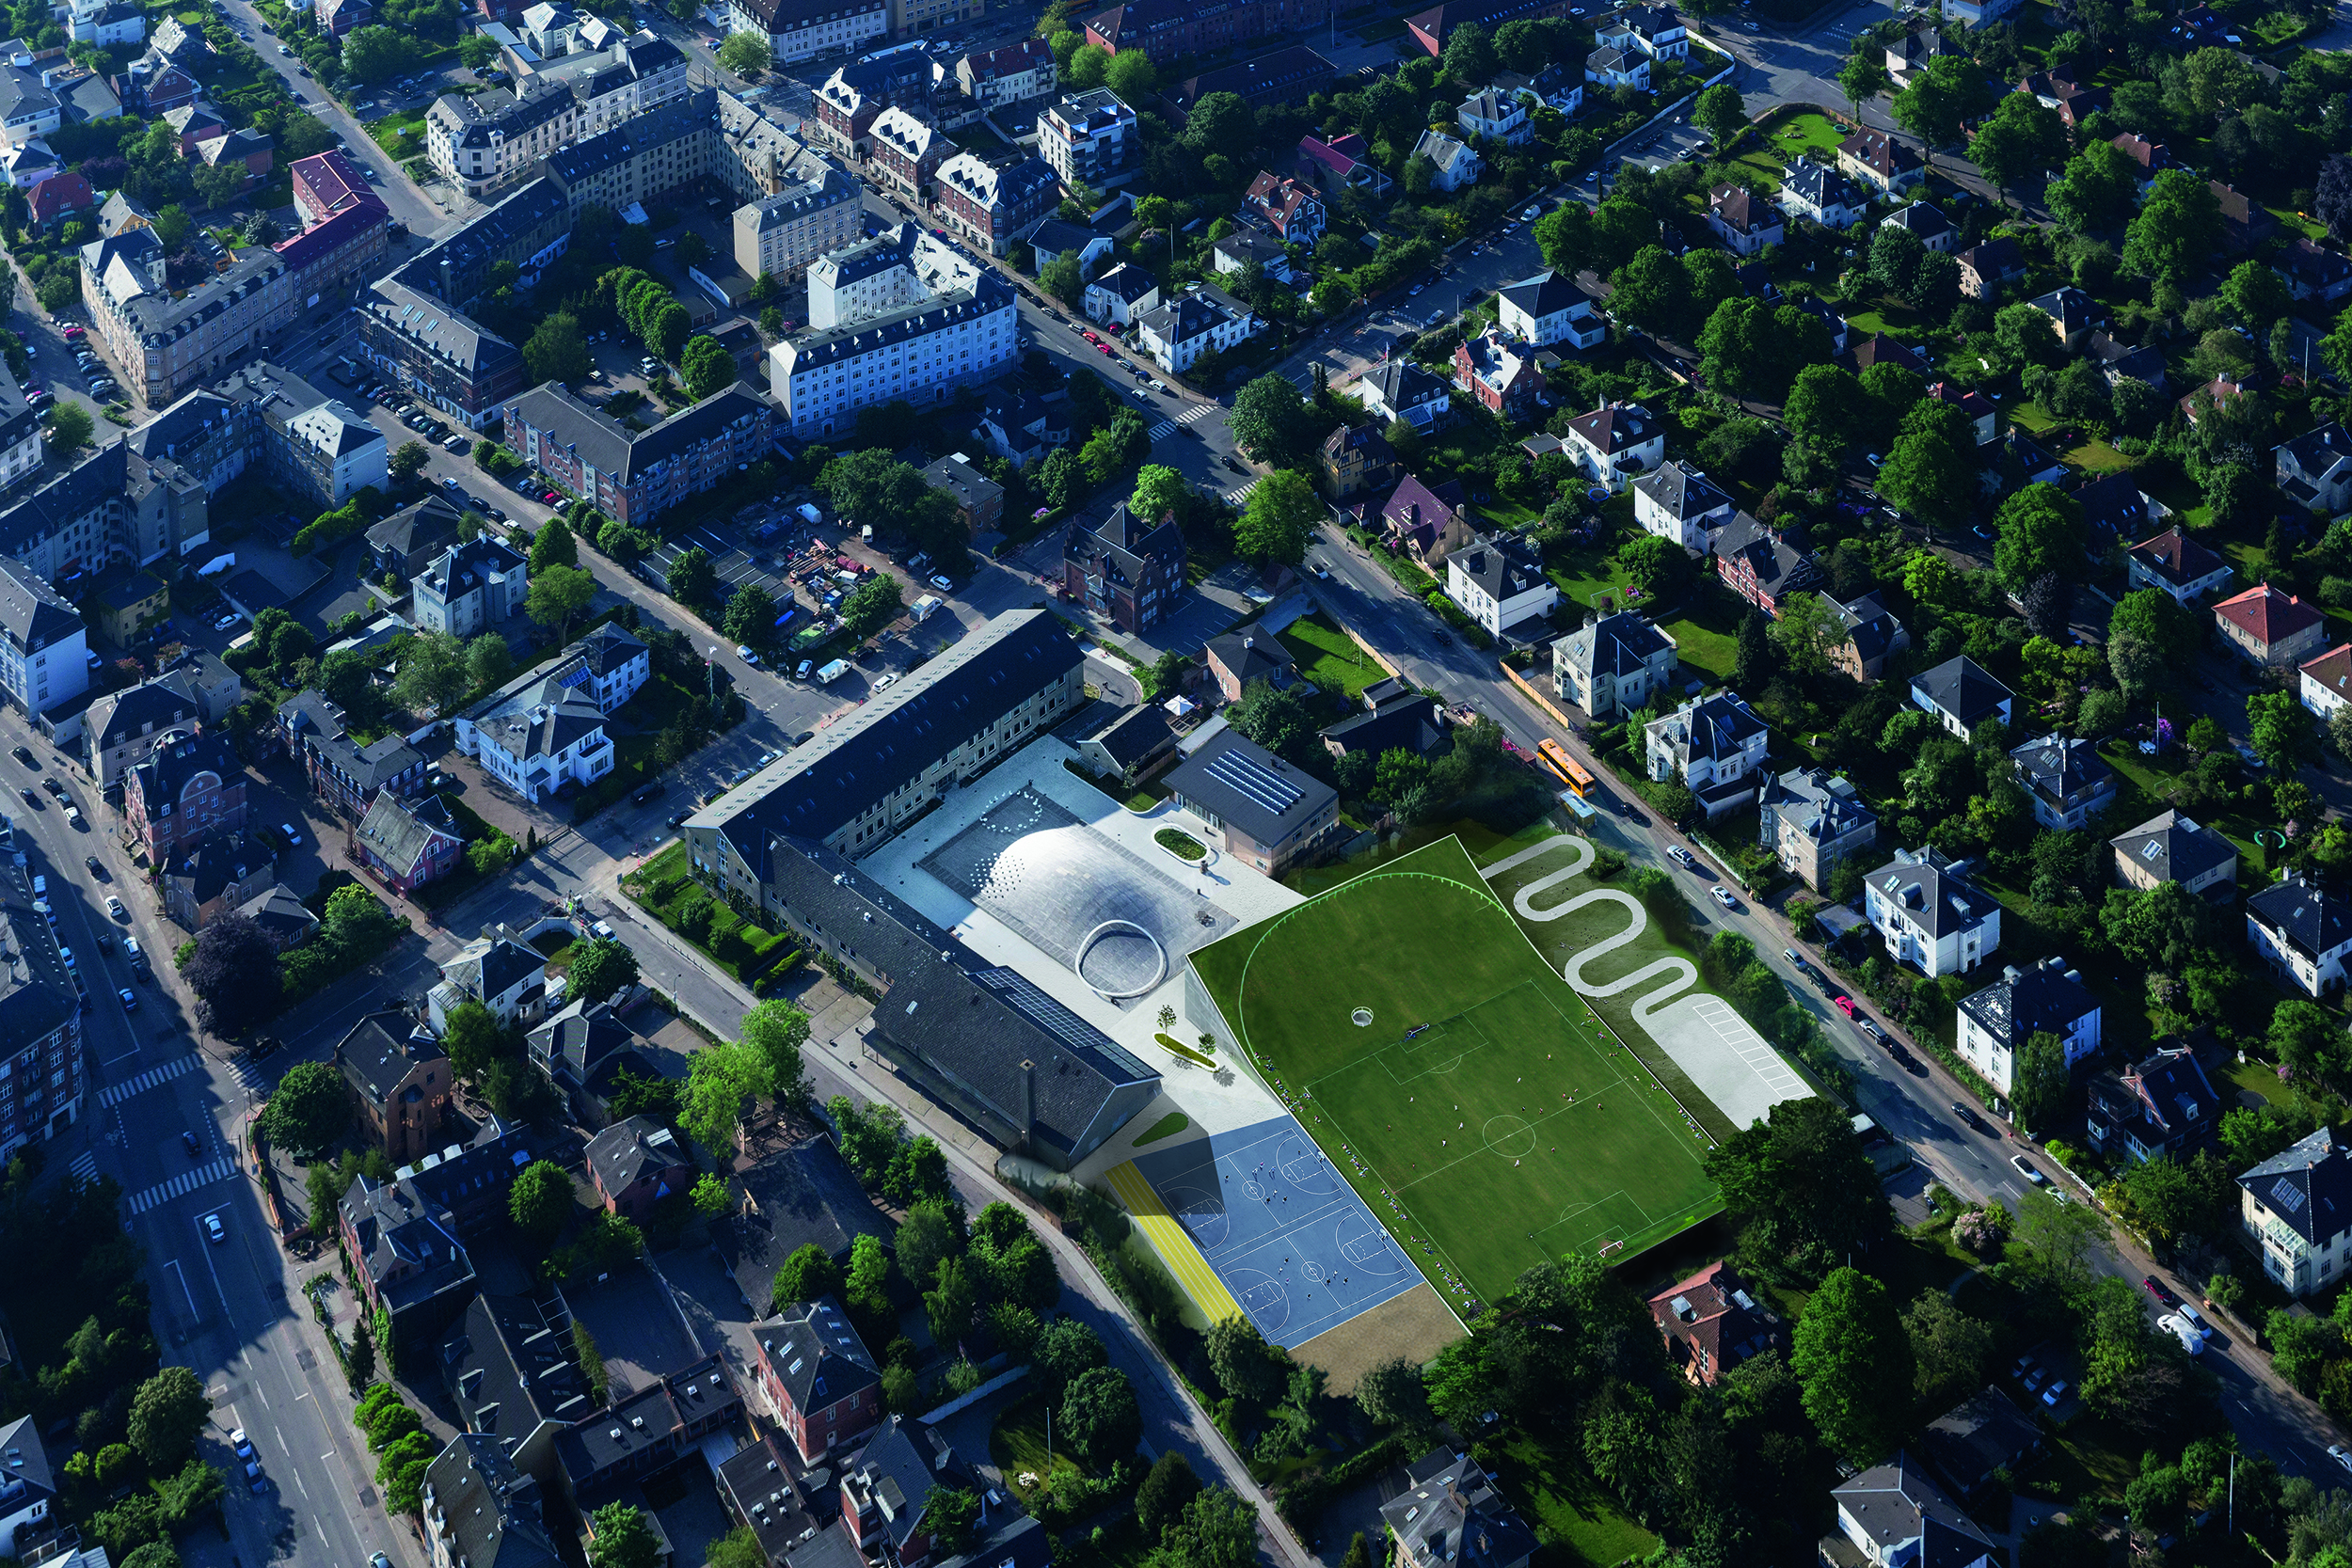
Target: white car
<point>2342,1455</point>
<point>944,584</point>
<point>2026,1168</point>
<point>2190,1339</point>
<point>888,680</point>
<point>1722,896</point>
<point>287,829</point>
<point>113,908</point>
<point>743,652</point>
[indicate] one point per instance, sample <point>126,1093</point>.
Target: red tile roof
<point>2268,616</point>
<point>2332,669</point>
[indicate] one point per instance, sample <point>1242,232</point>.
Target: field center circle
<point>1509,1136</point>
<point>1360,1017</point>
<point>1203,1215</point>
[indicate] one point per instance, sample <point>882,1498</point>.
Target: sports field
<point>1452,1076</point>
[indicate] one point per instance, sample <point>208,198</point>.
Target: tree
<point>930,1237</point>
<point>540,1202</point>
<point>2020,142</point>
<point>432,673</point>
<point>872,605</point>
<point>2055,1241</point>
<point>166,1413</point>
<point>1949,1350</point>
<point>557,350</point>
<point>1825,406</point>
<point>1242,1362</point>
<point>1931,471</point>
<point>553,546</point>
<point>722,1078</point>
<point>1270,419</point>
<point>1937,102</point>
<point>474,1039</point>
<point>2040,530</point>
<point>2038,1089</point>
<point>1651,291</point>
<point>233,971</point>
<point>2097,192</point>
<point>707,368</point>
<point>1063,280</point>
<point>1099,1416</point>
<point>692,578</point>
<point>2334,195</point>
<point>2176,230</point>
<point>2280,729</point>
<point>309,1109</point>
<point>1167,1488</point>
<point>1392,1394</point>
<point>488,660</point>
<point>602,970</point>
<point>2256,294</point>
<point>1849,1348</point>
<point>1801,1179</point>
<point>69,426</point>
<point>665,331</point>
<point>1470,55</point>
<point>1066,1348</point>
<point>1159,490</point>
<point>1217,1530</point>
<point>1281,517</point>
<point>948,1307</point>
<point>807,1274</point>
<point>745,54</point>
<point>950,1512</point>
<point>2156,619</point>
<point>373,53</point>
<point>1720,112</point>
<point>751,617</point>
<point>620,1538</point>
<point>1862,77</point>
<point>557,594</point>
<point>779,1031</point>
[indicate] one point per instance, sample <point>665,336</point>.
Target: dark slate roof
<point>2165,1099</point>
<point>1684,493</point>
<point>1717,727</point>
<point>1959,687</point>
<point>1896,1502</point>
<point>626,1151</point>
<point>278,911</point>
<point>583,1036</point>
<point>2174,849</point>
<point>1618,645</point>
<point>1250,787</point>
<point>1404,384</point>
<point>397,835</point>
<point>834,1547</point>
<point>949,1007</point>
<point>1870,624</point>
<point>429,522</point>
<point>1823,808</point>
<point>596,438</point>
<point>142,709</point>
<point>1933,889</point>
<point>1547,293</point>
<point>761,1486</point>
<point>893,738</point>
<point>28,1462</point>
<point>31,613</point>
<point>1780,567</point>
<point>492,967</point>
<point>816,1357</point>
<point>1922,218</point>
<point>492,1508</point>
<point>2305,914</point>
<point>511,1370</point>
<point>1135,735</point>
<point>1250,653</point>
<point>403,1246</point>
<point>1410,721</point>
<point>1452,1513</point>
<point>799,1196</point>
<point>2024,1002</point>
<point>36,995</point>
<point>178,756</point>
<point>2113,504</point>
<point>1504,566</point>
<point>2308,1186</point>
<point>899,1467</point>
<point>2058,766</point>
<point>381,1051</point>
<point>1979,1435</point>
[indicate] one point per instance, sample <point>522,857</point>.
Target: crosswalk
<point>84,1166</point>
<point>254,1078</point>
<point>186,1181</point>
<point>1199,411</point>
<point>1235,498</point>
<point>1161,431</point>
<point>115,1094</point>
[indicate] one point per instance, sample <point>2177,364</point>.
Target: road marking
<point>115,1094</point>
<point>1235,498</point>
<point>1199,411</point>
<point>125,1057</point>
<point>186,1181</point>
<point>1161,431</point>
<point>84,1166</point>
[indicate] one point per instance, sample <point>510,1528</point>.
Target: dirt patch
<point>1415,1325</point>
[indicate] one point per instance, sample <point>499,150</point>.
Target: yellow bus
<point>1570,771</point>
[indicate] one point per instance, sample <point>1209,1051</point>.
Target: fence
<point>1002,1380</point>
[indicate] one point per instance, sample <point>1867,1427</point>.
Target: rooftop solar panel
<point>1255,780</point>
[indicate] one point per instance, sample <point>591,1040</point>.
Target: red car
<point>2157,1288</point>
<point>1104,347</point>
<point>1843,1004</point>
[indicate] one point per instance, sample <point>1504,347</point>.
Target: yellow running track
<point>1167,1238</point>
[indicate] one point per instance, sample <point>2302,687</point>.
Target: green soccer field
<point>1467,1091</point>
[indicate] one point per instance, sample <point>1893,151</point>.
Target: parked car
<point>1723,896</point>
<point>1968,1118</point>
<point>2026,1168</point>
<point>225,622</point>
<point>2160,1290</point>
<point>2054,1393</point>
<point>130,1002</point>
<point>1843,1004</point>
<point>1681,856</point>
<point>216,1233</point>
<point>287,829</point>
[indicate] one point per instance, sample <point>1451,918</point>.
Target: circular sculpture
<point>1121,993</point>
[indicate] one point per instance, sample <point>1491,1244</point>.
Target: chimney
<point>1029,1101</point>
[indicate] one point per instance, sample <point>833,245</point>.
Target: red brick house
<point>408,845</point>
<point>1761,567</point>
<point>188,786</point>
<point>818,1376</point>
<point>886,1492</point>
<point>1294,210</point>
<point>1126,570</point>
<point>637,1164</point>
<point>60,195</point>
<point>1499,372</point>
<point>1712,1323</point>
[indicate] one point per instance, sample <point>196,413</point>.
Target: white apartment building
<point>799,29</point>
<point>1500,582</point>
<point>1681,504</point>
<point>470,588</point>
<point>2302,931</point>
<point>1715,748</point>
<point>1203,321</point>
<point>1091,138</point>
<point>1931,917</point>
<point>902,315</point>
<point>2048,998</point>
<point>44,652</point>
<point>489,141</point>
<point>781,235</point>
<point>537,735</point>
<point>2296,1211</point>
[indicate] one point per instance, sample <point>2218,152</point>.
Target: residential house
<point>1288,76</point>
<point>1290,209</point>
<point>820,1378</point>
<point>2177,564</point>
<point>796,1197</point>
<point>1915,49</point>
<point>538,736</point>
<point>470,587</point>
<point>1983,415</point>
<point>2171,847</point>
<point>216,875</point>
<point>399,1078</point>
<point>408,541</point>
<point>631,476</point>
<point>1342,163</point>
<point>1987,267</point>
<point>1877,160</point>
<point>1499,373</point>
<point>1499,117</point>
<point>1712,1323</point>
<point>1128,570</point>
<point>1996,1022</point>
<point>2272,629</point>
<point>980,499</point>
<point>189,785</point>
<point>1428,523</point>
<point>888,1489</point>
<point>1714,747</point>
<point>581,1049</point>
<point>2245,221</point>
<point>1980,1442</point>
<point>1500,582</point>
<point>1760,564</point>
<point>1130,745</point>
<point>1547,309</point>
<point>2315,470</point>
<point>1616,443</point>
<point>1243,655</point>
<point>1873,636</point>
<point>1237,252</point>
<point>1201,320</point>
<point>120,727</point>
<point>1612,66</point>
<point>2164,1106</point>
<point>1431,28</point>
<point>408,1257</point>
<point>1019,427</point>
<point>483,1511</point>
<point>1682,504</point>
<point>1121,294</point>
<point>282,915</point>
<point>1613,664</point>
<point>2312,270</point>
<point>1819,192</point>
<point>1930,915</point>
<point>763,1496</point>
<point>1396,716</point>
<point>2219,391</point>
<point>1260,810</point>
<point>1451,1515</point>
<point>2117,361</point>
<point>637,1165</point>
<point>1893,1514</point>
<point>2070,312</point>
<point>1455,164</point>
<point>2326,682</point>
<point>1927,224</point>
<point>1400,388</point>
<point>1840,329</point>
<point>408,846</point>
<point>2295,1208</point>
<point>1813,821</point>
<point>1354,458</point>
<point>2114,509</point>
<point>2151,157</point>
<point>1961,695</point>
<point>1013,73</point>
<point>1880,349</point>
<point>1091,138</point>
<point>2058,89</point>
<point>341,772</point>
<point>496,970</point>
<point>2067,779</point>
<point>2302,930</point>
<point>1744,221</point>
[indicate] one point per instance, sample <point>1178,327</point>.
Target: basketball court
<point>1285,1237</point>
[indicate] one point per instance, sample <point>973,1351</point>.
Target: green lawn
<point>1017,1444</point>
<point>1557,1144</point>
<point>1327,657</point>
<point>400,133</point>
<point>1166,1127</point>
<point>1574,1516</point>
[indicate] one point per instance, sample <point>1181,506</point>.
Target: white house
<point>1549,308</point>
<point>2314,471</point>
<point>1612,67</point>
<point>1655,31</point>
<point>2296,1211</point>
<point>618,666</point>
<point>537,735</point>
<point>1500,582</point>
<point>1681,504</point>
<point>1232,255</point>
<point>1456,165</point>
<point>2326,682</point>
<point>496,970</point>
<point>1930,915</point>
<point>1121,295</point>
<point>31,1488</point>
<point>1961,695</point>
<point>1401,389</point>
<point>1714,747</point>
<point>1894,1514</point>
<point>1613,664</point>
<point>1616,443</point>
<point>2048,998</point>
<point>2178,566</point>
<point>2302,931</point>
<point>44,648</point>
<point>472,587</point>
<point>1502,116</point>
<point>1744,221</point>
<point>2067,779</point>
<point>1200,322</point>
<point>1824,195</point>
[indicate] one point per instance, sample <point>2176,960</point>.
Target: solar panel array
<point>2286,1198</point>
<point>1052,1016</point>
<point>1254,780</point>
